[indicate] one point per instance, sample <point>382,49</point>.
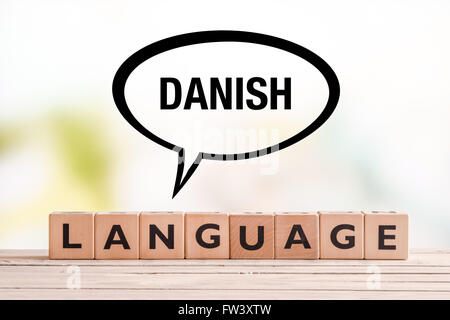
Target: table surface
<point>28,274</point>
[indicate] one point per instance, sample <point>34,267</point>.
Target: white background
<point>386,146</point>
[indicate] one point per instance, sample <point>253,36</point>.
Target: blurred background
<point>64,145</point>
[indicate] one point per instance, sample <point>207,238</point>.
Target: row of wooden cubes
<point>172,235</point>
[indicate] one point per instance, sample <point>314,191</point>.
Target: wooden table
<point>28,274</point>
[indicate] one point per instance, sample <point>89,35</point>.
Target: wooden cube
<point>297,235</point>
<point>161,235</point>
<point>71,235</point>
<point>206,236</point>
<point>341,235</point>
<point>386,235</point>
<point>252,236</point>
<point>116,235</point>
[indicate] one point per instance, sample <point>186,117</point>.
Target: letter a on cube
<point>297,235</point>
<point>116,235</point>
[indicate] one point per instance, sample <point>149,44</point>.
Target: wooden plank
<point>30,275</point>
<point>434,258</point>
<point>311,270</point>
<point>433,261</point>
<point>223,281</point>
<point>83,294</point>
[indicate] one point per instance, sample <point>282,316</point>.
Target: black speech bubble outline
<point>124,71</point>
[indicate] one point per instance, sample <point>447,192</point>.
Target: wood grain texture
<point>206,236</point>
<point>252,236</point>
<point>346,229</point>
<point>116,235</point>
<point>297,235</point>
<point>385,235</point>
<point>79,229</point>
<point>29,274</point>
<point>164,222</point>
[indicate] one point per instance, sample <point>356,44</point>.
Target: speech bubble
<point>204,37</point>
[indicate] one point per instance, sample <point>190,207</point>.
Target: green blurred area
<point>68,149</point>
<point>9,136</point>
<point>81,146</point>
